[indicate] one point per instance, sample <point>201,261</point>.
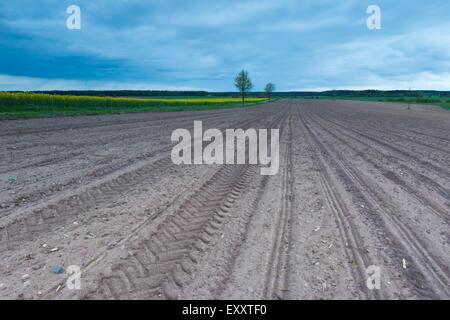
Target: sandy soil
<point>360,184</point>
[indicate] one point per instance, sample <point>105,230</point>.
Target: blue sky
<point>184,45</point>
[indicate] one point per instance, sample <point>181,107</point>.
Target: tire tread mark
<point>175,250</point>
<point>350,237</point>
<point>425,264</point>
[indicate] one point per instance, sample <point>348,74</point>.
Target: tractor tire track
<point>165,262</point>
<point>360,184</point>
<point>426,268</point>
<point>399,150</point>
<point>439,211</point>
<point>46,218</point>
<point>276,279</point>
<point>160,263</point>
<point>351,239</point>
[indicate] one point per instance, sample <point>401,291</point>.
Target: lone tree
<point>243,83</point>
<point>269,89</point>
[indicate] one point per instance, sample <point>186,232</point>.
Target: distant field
<point>13,105</point>
<point>443,102</point>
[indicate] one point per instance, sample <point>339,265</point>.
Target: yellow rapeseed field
<point>34,104</point>
<point>7,98</point>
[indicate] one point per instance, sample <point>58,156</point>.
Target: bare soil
<point>360,184</point>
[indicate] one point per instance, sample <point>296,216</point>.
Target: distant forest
<point>331,93</point>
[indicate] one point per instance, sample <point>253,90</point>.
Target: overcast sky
<point>168,44</point>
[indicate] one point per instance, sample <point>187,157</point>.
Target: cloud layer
<point>168,44</point>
